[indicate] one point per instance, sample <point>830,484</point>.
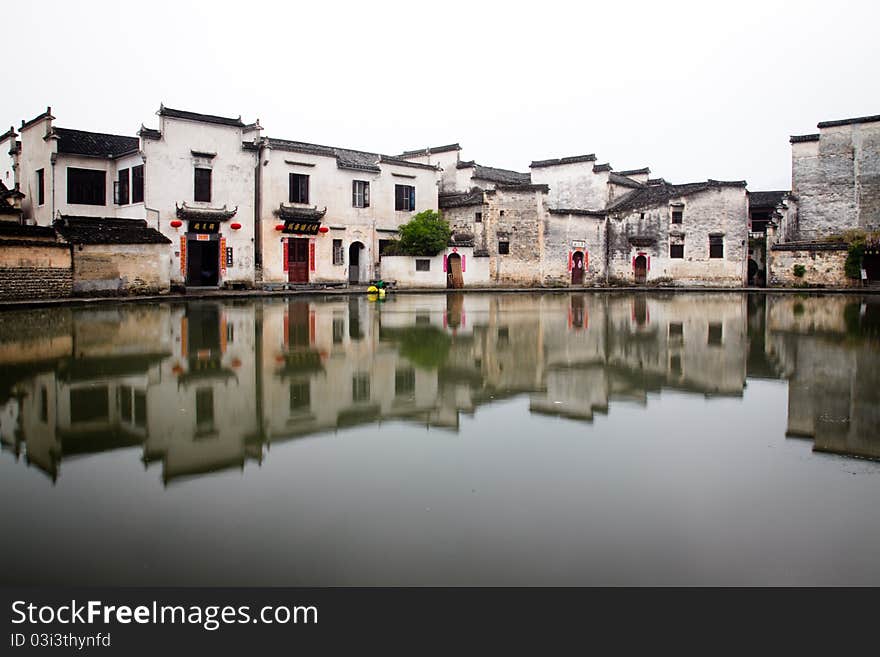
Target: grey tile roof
<point>10,229</point>
<point>105,230</point>
<point>859,119</point>
<point>635,172</point>
<point>149,133</point>
<point>597,168</point>
<point>100,144</point>
<point>662,192</point>
<point>591,157</point>
<point>623,181</point>
<point>796,139</point>
<point>204,118</point>
<point>578,211</point>
<point>766,199</point>
<point>346,158</point>
<point>496,175</point>
<point>39,117</point>
<point>465,199</point>
<point>431,150</point>
<point>9,133</point>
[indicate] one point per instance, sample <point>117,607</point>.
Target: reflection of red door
<point>641,267</point>
<point>577,268</point>
<point>298,260</point>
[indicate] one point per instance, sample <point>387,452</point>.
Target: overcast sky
<point>694,90</point>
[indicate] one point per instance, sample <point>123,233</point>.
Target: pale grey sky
<point>691,89</point>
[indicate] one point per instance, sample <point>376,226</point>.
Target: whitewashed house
<point>199,192</point>
<point>326,213</point>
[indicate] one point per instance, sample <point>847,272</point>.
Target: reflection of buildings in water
<point>207,386</point>
<point>829,349</point>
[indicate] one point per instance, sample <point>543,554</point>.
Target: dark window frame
<point>338,253</point>
<point>86,186</point>
<point>360,193</point>
<point>298,188</point>
<point>41,186</point>
<point>423,264</point>
<point>478,217</point>
<point>404,198</point>
<point>676,251</point>
<point>503,247</point>
<point>716,246</point>
<point>122,188</point>
<point>677,214</point>
<point>137,184</point>
<point>202,184</point>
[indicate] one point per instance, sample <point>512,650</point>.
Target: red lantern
<point>279,227</point>
<point>323,229</point>
<point>176,223</point>
<point>235,226</point>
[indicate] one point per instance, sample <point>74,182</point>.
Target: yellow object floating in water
<point>372,289</point>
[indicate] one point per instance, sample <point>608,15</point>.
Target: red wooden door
<point>298,260</point>
<point>577,268</point>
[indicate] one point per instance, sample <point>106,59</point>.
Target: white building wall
<point>169,182</point>
<point>330,187</point>
<point>573,185</point>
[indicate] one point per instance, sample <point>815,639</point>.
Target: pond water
<point>462,439</point>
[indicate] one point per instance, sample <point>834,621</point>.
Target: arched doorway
<point>577,268</point>
<point>454,278</point>
<point>641,269</point>
<point>354,262</point>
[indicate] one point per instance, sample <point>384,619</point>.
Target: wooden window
<point>716,246</point>
<point>503,247</point>
<point>41,186</point>
<point>360,388</point>
<point>299,188</point>
<point>86,186</point>
<point>360,193</point>
<point>478,218</point>
<point>677,215</point>
<point>404,382</point>
<point>338,253</point>
<point>121,188</point>
<point>423,265</point>
<point>300,396</point>
<point>338,330</point>
<point>404,198</point>
<point>202,189</point>
<point>676,332</point>
<point>676,250</point>
<point>137,184</point>
<point>716,332</point>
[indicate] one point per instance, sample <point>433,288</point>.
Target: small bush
<point>799,271</point>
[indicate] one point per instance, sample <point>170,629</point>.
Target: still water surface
<point>444,439</point>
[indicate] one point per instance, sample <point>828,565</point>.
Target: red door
<point>577,268</point>
<point>298,260</point>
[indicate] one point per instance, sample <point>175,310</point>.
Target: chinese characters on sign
<point>301,227</point>
<point>207,227</point>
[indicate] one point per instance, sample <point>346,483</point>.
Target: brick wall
<point>32,270</point>
<point>35,282</point>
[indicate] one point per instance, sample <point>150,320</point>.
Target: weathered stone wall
<point>649,232</point>
<point>516,216</point>
<point>564,234</point>
<point>573,185</point>
<point>836,180</point>
<point>34,271</point>
<point>121,269</point>
<point>823,265</point>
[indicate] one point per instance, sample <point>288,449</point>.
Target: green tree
<point>426,234</point>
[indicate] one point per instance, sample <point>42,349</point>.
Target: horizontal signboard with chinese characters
<point>204,226</point>
<point>299,227</point>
